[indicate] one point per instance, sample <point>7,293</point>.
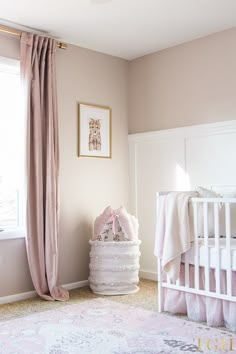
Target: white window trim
<point>12,66</point>
<point>10,234</point>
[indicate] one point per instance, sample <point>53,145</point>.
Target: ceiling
<point>123,28</point>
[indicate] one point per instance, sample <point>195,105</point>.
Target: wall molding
<point>186,132</point>
<point>149,275</point>
<point>30,294</point>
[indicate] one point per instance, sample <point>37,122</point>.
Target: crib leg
<point>159,285</point>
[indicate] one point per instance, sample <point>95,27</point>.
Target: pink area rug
<point>102,326</point>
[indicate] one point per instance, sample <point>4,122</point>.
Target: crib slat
<point>228,248</point>
<point>206,234</point>
<point>186,269</point>
<point>196,261</point>
<point>217,246</point>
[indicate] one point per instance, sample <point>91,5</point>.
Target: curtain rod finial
<point>62,45</point>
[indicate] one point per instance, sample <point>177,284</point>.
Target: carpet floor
<point>145,298</point>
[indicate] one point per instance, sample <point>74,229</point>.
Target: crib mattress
<point>213,254</point>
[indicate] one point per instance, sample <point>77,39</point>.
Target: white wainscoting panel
<point>210,160</point>
<point>176,159</point>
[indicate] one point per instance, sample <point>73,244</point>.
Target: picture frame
<point>94,136</point>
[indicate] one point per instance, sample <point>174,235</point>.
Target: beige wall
<point>189,84</point>
<point>87,185</point>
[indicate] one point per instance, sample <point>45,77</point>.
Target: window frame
<point>12,66</point>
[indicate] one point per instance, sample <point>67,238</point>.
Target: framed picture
<point>94,131</point>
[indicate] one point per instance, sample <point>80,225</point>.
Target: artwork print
<point>94,134</point>
<point>94,131</point>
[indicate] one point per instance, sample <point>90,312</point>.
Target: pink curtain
<point>39,85</point>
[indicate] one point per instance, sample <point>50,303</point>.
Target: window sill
<point>12,234</point>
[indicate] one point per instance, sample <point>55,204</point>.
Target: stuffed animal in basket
<point>115,225</point>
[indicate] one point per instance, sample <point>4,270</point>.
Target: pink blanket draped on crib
<point>176,232</point>
<point>215,312</point>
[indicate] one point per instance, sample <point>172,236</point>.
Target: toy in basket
<point>114,256</point>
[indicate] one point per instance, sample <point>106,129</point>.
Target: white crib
<point>209,252</point>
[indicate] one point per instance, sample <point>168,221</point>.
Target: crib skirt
<point>200,308</point>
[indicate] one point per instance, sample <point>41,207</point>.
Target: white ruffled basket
<point>114,267</point>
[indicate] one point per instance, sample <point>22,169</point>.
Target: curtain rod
<point>16,32</point>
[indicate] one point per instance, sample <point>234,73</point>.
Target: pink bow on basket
<point>110,215</point>
<point>114,216</point>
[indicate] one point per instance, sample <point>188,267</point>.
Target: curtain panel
<point>42,163</point>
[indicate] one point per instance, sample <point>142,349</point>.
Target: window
<point>12,144</point>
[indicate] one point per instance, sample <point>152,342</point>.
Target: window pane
<point>11,145</point>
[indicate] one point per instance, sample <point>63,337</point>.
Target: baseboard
<point>30,294</point>
<point>78,284</point>
<point>144,274</point>
<point>17,297</point>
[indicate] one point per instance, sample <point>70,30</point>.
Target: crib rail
<point>208,278</point>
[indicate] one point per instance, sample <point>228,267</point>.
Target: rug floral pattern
<point>102,326</point>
